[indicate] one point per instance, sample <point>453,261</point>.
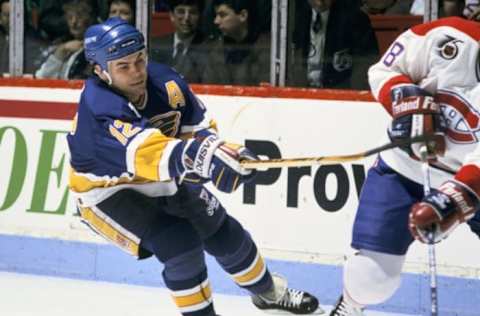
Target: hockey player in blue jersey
<point>141,148</point>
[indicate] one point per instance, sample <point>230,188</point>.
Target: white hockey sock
<point>350,301</point>
<point>371,277</point>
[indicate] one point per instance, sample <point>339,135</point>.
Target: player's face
<point>321,5</point>
<point>129,75</point>
<point>229,22</point>
<point>122,10</point>
<point>185,19</point>
<point>5,15</point>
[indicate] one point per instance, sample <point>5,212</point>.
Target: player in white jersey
<point>428,81</point>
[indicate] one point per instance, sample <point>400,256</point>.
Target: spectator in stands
<point>387,7</point>
<point>452,7</point>
<point>470,8</point>
<point>51,21</point>
<point>263,8</point>
<point>185,49</point>
<point>50,14</point>
<point>66,60</point>
<point>333,43</point>
<point>242,54</point>
<point>124,9</point>
<point>33,45</point>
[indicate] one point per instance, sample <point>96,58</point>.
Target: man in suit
<point>241,55</point>
<point>185,49</point>
<point>333,43</point>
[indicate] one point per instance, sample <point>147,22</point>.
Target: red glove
<point>443,210</point>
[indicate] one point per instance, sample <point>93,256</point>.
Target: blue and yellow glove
<point>213,159</point>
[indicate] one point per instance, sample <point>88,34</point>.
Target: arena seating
<point>387,27</point>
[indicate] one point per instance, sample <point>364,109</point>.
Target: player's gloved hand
<point>212,158</point>
<point>227,174</point>
<point>192,177</point>
<point>416,114</point>
<point>443,210</point>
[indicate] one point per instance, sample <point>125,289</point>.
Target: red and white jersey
<point>441,57</point>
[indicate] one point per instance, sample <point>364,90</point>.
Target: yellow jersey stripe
<point>207,123</point>
<point>148,156</point>
<point>144,154</point>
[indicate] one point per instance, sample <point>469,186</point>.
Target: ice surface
<point>33,295</point>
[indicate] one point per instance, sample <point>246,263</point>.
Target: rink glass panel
<point>330,45</point>
<point>45,28</point>
<point>211,57</point>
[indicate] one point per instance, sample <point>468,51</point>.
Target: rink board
<point>301,218</point>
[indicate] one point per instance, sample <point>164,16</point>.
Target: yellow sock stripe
<point>251,273</point>
<point>109,232</point>
<point>190,300</point>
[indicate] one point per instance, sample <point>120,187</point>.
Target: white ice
<point>33,295</point>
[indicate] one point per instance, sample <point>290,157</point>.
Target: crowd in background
<point>331,42</point>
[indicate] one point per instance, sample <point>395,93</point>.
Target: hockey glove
<point>416,114</point>
<point>443,210</point>
<point>192,177</point>
<point>211,158</point>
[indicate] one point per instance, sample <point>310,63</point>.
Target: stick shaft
<point>325,160</point>
<point>432,262</point>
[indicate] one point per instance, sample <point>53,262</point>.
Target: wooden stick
<point>326,160</point>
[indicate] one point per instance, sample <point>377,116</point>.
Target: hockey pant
<point>176,230</point>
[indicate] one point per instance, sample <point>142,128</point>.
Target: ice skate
<point>284,300</point>
<point>342,308</point>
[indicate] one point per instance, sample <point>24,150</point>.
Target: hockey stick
<point>432,265</point>
<point>327,160</point>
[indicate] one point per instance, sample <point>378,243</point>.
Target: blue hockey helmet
<point>110,40</point>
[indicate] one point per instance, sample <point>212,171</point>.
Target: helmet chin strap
<point>106,74</point>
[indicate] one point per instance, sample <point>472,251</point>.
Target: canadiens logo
<point>449,49</point>
<point>462,119</point>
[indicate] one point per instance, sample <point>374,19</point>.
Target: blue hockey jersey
<point>115,145</point>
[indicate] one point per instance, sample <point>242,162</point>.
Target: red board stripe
<point>66,111</point>
<point>261,91</point>
<point>36,109</point>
